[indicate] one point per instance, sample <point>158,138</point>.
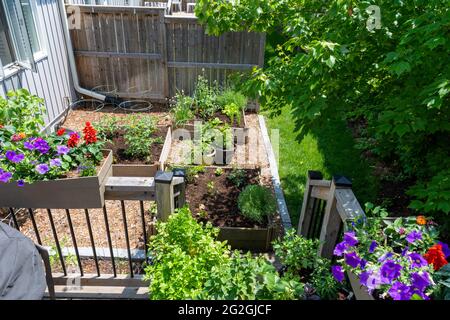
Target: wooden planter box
<point>145,170</point>
<point>359,290</point>
<point>247,238</point>
<point>73,193</point>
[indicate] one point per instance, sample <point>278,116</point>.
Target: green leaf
<point>400,67</point>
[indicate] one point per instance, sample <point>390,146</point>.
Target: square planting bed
<point>69,193</point>
<point>220,207</point>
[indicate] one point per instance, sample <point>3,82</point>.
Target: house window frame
<point>17,65</point>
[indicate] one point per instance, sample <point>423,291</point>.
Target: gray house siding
<point>52,81</point>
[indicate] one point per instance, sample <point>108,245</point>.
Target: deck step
<point>100,293</point>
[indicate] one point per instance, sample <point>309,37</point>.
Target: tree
<point>330,64</point>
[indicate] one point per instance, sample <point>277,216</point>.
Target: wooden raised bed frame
<point>72,193</point>
<point>258,240</point>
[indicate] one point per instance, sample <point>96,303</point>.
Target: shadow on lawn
<point>336,148</point>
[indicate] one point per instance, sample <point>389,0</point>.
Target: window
<point>19,34</point>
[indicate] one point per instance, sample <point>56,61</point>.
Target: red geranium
<point>436,257</point>
<point>73,140</point>
<point>61,132</point>
<point>90,135</point>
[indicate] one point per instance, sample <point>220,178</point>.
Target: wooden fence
<point>142,53</point>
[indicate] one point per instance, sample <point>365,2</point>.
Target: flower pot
<point>72,193</point>
<point>209,158</point>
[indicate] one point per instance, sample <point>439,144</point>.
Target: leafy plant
<point>205,98</point>
<point>22,112</point>
<point>87,168</point>
<point>184,253</point>
<point>238,177</point>
<point>297,253</point>
<point>211,188</point>
<point>182,109</point>
<point>256,203</point>
<point>138,136</point>
<point>218,172</point>
<point>232,104</point>
<point>107,128</point>
<point>244,277</point>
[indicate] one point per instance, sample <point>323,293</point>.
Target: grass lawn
<point>329,149</point>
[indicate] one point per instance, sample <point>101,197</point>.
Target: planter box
<point>359,290</point>
<point>73,193</point>
<point>248,239</point>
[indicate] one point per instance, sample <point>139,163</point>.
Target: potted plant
<point>60,170</point>
<point>390,259</point>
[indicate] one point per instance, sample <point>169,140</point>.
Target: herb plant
<point>182,111</point>
<point>256,203</point>
<point>238,177</point>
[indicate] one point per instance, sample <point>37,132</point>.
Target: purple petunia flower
<point>28,145</point>
<point>352,259</point>
<point>55,162</point>
<point>338,273</point>
<point>350,238</point>
<point>5,176</point>
<point>363,263</point>
<point>417,261</point>
<point>42,168</point>
<point>413,236</point>
<point>445,249</point>
<point>41,145</point>
<point>14,157</point>
<point>420,281</point>
<point>370,279</point>
<point>399,291</point>
<point>390,271</point>
<point>340,248</point>
<point>20,183</point>
<point>373,246</point>
<point>62,150</point>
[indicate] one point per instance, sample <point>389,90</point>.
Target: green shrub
<point>256,203</point>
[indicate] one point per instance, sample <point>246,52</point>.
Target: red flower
<point>436,257</point>
<point>90,135</point>
<point>73,140</point>
<point>61,132</point>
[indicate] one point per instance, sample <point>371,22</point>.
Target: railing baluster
<point>91,236</point>
<point>74,241</point>
<point>36,230</point>
<point>13,214</point>
<point>55,236</point>
<point>125,225</point>
<point>141,203</point>
<point>108,234</point>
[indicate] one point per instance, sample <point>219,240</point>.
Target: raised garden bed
<point>214,198</point>
<point>72,192</point>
